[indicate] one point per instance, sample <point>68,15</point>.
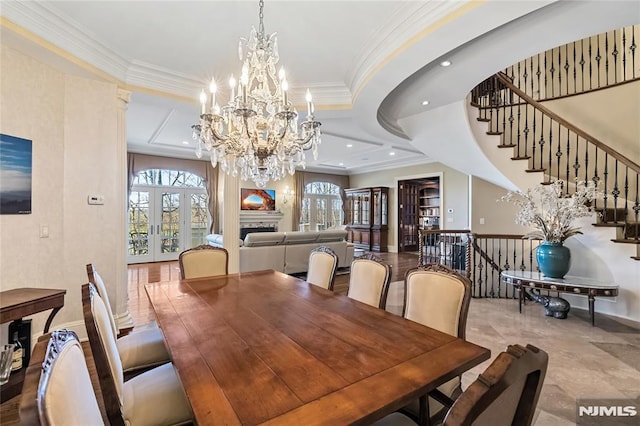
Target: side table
<point>19,303</point>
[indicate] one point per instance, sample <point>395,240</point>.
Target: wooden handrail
<point>504,79</point>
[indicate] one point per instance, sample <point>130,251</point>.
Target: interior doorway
<point>419,201</point>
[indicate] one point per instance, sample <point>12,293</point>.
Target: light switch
<point>482,221</point>
<point>44,231</point>
<point>449,220</point>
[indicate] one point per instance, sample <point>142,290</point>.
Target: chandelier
<point>256,133</point>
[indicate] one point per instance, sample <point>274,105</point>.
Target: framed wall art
<point>15,175</point>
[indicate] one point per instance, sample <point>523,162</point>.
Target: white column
<point>231,219</point>
<point>123,318</point>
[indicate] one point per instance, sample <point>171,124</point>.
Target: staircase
<point>525,109</point>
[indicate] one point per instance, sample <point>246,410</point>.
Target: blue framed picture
<point>15,175</point>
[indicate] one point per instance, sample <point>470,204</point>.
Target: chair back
<point>323,263</point>
<point>438,297</point>
<point>95,278</point>
<point>105,353</point>
<point>57,388</point>
<point>506,393</point>
<point>369,280</point>
<point>203,261</point>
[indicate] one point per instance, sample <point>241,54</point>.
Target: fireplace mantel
<point>255,219</point>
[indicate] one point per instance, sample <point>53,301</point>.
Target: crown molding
<point>410,22</point>
<point>41,20</point>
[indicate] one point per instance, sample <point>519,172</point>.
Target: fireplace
<point>249,230</point>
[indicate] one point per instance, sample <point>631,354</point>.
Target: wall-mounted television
<point>257,199</point>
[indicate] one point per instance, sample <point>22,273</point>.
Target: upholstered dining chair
<point>139,349</point>
<point>438,297</point>
<point>203,261</point>
<point>369,280</point>
<point>155,396</point>
<point>506,393</point>
<point>323,263</point>
<point>57,390</point>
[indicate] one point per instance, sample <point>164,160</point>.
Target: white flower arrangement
<point>550,212</point>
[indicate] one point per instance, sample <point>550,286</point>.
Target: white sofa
<point>287,252</point>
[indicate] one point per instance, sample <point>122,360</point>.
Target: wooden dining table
<point>268,348</point>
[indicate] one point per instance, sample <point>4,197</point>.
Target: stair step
<point>494,133</point>
<point>535,170</point>
<point>632,230</point>
<point>507,146</point>
<point>610,214</point>
<point>618,240</point>
<point>483,119</point>
<point>608,225</point>
<point>526,157</point>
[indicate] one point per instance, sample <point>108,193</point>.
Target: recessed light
<point>185,142</point>
<point>349,145</point>
<point>340,164</point>
<point>445,63</point>
<point>425,102</point>
<point>392,153</point>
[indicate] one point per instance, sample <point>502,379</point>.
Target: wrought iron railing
<point>593,63</point>
<point>480,257</point>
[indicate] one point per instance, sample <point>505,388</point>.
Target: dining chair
<point>323,263</point>
<point>57,390</point>
<point>369,280</point>
<point>203,261</point>
<point>438,297</point>
<point>155,396</point>
<point>139,349</point>
<point>506,393</point>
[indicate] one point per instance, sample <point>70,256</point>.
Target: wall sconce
<point>287,194</point>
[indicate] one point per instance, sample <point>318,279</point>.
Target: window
<point>167,214</point>
<point>321,206</point>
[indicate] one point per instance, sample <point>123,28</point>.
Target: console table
<point>19,303</point>
<point>569,284</point>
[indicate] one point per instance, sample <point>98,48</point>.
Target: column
<point>123,318</point>
<point>231,219</point>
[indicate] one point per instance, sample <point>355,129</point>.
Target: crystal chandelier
<point>256,133</point>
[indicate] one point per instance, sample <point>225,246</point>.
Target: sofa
<point>287,252</point>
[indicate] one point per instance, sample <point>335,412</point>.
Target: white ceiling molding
<point>69,36</point>
<point>408,22</point>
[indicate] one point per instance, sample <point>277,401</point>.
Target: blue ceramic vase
<point>554,259</point>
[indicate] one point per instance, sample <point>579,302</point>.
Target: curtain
<point>140,162</point>
<point>304,178</point>
<point>211,181</point>
<point>296,208</point>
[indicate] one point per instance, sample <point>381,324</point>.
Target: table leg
<point>520,290</point>
<point>592,310</point>
<point>50,319</point>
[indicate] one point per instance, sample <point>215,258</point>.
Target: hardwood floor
<point>585,362</point>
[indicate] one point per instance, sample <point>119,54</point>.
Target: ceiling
<point>369,64</point>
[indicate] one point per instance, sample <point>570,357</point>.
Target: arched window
<point>167,214</point>
<point>321,206</point>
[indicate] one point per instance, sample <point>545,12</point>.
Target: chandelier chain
<point>261,15</point>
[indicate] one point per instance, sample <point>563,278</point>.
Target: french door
<point>164,221</point>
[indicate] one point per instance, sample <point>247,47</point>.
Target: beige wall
<point>499,217</point>
<point>72,122</point>
<point>609,115</point>
<point>455,193</point>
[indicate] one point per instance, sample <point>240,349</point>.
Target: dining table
<point>267,348</point>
